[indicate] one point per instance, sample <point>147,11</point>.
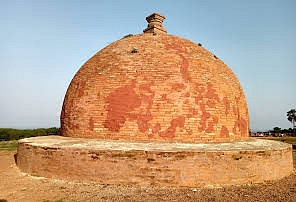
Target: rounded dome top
<point>155,87</point>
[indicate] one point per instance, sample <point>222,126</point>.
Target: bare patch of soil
<point>17,186</point>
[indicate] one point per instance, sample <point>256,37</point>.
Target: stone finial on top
<point>155,24</point>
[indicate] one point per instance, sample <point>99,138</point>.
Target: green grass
<point>8,145</point>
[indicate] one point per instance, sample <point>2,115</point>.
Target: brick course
<point>169,89</point>
<point>163,164</point>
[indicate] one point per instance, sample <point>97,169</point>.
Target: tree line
<point>289,131</point>
<point>7,134</point>
<point>291,116</point>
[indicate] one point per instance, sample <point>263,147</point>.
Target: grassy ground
<point>291,140</point>
<point>8,145</point>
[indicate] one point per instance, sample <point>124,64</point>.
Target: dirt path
<point>17,186</point>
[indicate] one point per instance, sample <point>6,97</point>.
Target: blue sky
<point>44,43</point>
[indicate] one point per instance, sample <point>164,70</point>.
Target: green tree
<point>4,135</point>
<point>292,117</point>
<point>277,129</point>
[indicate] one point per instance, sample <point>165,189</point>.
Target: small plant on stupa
<point>134,50</point>
<point>126,36</point>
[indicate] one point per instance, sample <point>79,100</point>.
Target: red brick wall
<point>80,160</point>
<point>169,90</point>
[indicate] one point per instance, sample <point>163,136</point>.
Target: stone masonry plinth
<point>155,163</point>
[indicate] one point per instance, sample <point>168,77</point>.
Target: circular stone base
<point>164,164</point>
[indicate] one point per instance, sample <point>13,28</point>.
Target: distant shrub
<point>7,134</point>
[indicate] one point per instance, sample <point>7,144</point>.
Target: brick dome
<point>155,87</point>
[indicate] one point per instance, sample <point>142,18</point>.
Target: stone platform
<point>163,164</point>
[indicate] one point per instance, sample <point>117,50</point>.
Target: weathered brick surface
<point>170,89</point>
<point>167,164</point>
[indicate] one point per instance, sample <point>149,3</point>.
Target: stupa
<point>155,109</point>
